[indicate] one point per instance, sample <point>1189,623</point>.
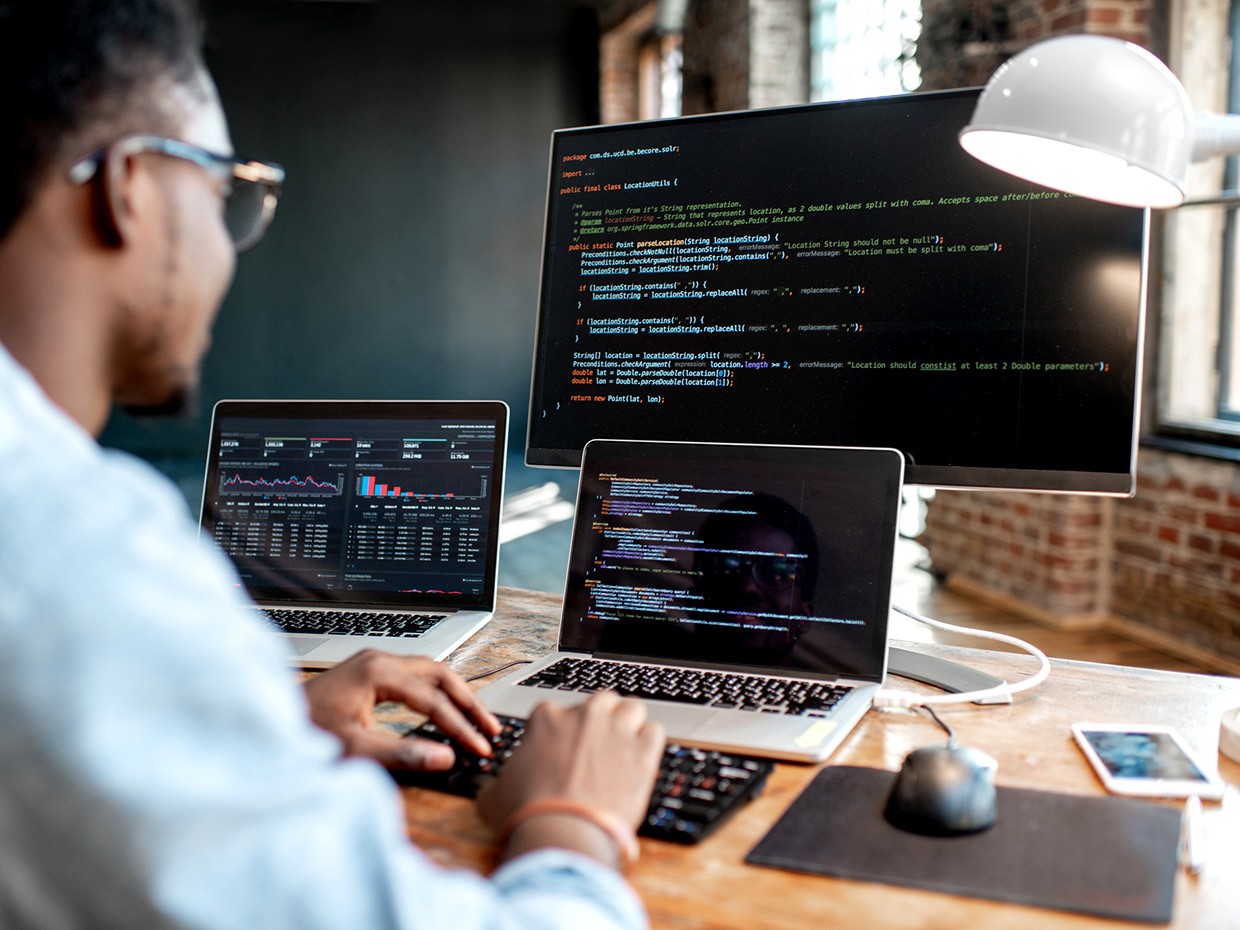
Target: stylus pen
<point>1194,851</point>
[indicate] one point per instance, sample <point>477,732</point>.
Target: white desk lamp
<point>1097,117</point>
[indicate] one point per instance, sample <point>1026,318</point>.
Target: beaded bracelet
<point>617,831</point>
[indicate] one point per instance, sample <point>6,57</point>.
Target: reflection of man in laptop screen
<point>758,565</point>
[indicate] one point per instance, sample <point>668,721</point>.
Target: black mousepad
<point>1105,856</point>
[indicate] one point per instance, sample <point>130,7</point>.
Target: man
<point>157,765</point>
<point>759,565</point>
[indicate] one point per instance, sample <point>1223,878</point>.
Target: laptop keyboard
<point>695,791</point>
<point>691,686</point>
<point>350,622</point>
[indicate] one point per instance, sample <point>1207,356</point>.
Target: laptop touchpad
<point>679,721</point>
<point>746,728</point>
<point>305,644</point>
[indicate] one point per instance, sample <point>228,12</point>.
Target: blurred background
<point>404,258</point>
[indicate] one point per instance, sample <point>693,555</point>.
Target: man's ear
<point>115,197</point>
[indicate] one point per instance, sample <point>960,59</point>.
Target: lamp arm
<point>1215,134</point>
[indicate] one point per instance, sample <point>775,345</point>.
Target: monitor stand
<point>941,673</point>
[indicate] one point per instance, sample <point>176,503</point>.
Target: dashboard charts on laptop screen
<point>837,274</point>
<point>364,506</point>
<point>758,556</point>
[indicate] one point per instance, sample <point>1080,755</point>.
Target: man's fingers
<point>425,755</point>
<point>448,717</point>
<point>437,691</point>
<point>632,713</point>
<point>396,752</point>
<point>464,697</point>
<point>342,701</point>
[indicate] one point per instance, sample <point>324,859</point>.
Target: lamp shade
<point>1090,115</point>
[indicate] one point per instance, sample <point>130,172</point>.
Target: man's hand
<point>603,754</point>
<point>342,700</point>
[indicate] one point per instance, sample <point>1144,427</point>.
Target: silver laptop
<point>742,591</point>
<point>359,524</point>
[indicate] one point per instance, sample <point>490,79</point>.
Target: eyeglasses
<point>768,571</point>
<point>251,192</point>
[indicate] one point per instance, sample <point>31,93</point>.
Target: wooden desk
<point>709,886</point>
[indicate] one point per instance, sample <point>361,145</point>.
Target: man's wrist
<point>564,823</point>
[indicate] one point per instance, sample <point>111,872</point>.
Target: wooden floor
<point>916,589</point>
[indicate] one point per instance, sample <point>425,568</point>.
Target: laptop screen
<point>374,502</point>
<point>743,556</point>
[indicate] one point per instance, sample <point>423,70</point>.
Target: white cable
<point>893,698</point>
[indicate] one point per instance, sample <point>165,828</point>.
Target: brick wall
<point>1176,568</point>
<point>628,27</point>
<point>779,53</point>
<point>964,41</point>
<point>716,56</point>
<point>738,54</point>
<point>1163,566</point>
<point>1125,19</point>
<point>1045,555</point>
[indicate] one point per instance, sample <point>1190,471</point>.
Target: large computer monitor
<point>837,274</point>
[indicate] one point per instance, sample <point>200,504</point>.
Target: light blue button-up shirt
<point>157,764</point>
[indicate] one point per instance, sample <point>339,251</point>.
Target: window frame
<point>1188,413</point>
<point>1228,348</point>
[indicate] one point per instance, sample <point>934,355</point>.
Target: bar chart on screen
<point>370,486</point>
<point>426,484</point>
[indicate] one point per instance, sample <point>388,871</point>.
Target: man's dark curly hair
<point>76,74</point>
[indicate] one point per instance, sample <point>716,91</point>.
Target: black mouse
<point>944,791</point>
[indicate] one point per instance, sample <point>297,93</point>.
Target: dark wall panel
<point>404,258</point>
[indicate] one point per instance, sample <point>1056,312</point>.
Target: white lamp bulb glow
<point>1089,115</point>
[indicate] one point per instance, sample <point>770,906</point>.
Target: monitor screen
<point>837,274</point>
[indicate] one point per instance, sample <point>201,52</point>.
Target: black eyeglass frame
<point>738,566</point>
<point>269,176</point>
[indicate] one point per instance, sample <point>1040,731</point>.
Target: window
<point>659,76</point>
<point>640,61</point>
<point>1197,363</point>
<point>863,48</point>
